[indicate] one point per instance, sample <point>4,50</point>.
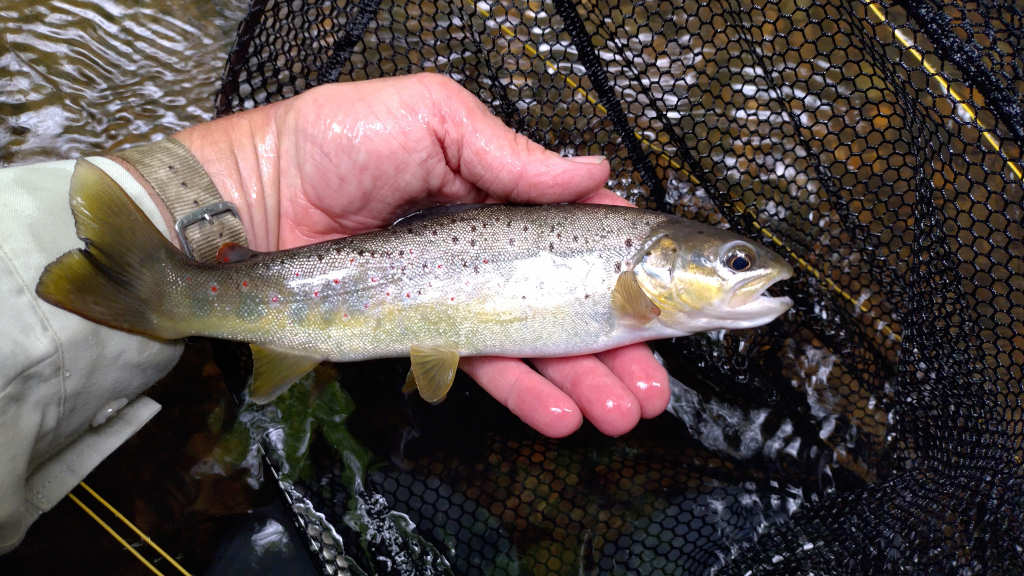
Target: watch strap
<point>202,219</point>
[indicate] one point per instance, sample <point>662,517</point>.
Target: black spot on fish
<point>320,257</point>
<point>552,229</point>
<point>464,264</point>
<point>586,296</point>
<point>401,252</point>
<point>618,267</point>
<point>476,268</point>
<point>526,228</point>
<point>433,232</point>
<point>472,242</point>
<point>483,224</point>
<point>575,238</point>
<point>424,266</point>
<point>629,242</point>
<point>455,239</point>
<point>524,297</point>
<point>559,235</point>
<point>472,228</point>
<point>511,241</point>
<point>551,246</point>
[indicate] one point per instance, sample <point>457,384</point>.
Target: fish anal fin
<point>629,300</point>
<point>274,371</point>
<point>433,370</point>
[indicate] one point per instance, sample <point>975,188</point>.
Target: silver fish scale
<point>488,280</point>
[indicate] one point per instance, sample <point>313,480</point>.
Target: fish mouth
<point>750,299</point>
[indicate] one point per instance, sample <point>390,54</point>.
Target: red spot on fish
<point>438,266</point>
<point>296,274</point>
<point>245,284</point>
<point>485,260</point>
<point>407,295</point>
<point>274,299</point>
<point>336,281</point>
<point>351,260</point>
<point>213,288</point>
<point>373,279</point>
<point>346,315</point>
<point>316,294</point>
<point>453,298</point>
<point>387,293</point>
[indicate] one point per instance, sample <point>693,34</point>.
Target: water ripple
<point>79,77</point>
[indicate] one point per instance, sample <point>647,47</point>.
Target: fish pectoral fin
<point>274,371</point>
<point>433,370</point>
<point>629,300</point>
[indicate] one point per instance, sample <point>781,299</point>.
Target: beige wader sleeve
<point>70,390</point>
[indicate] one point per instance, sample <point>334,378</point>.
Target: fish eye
<point>738,261</point>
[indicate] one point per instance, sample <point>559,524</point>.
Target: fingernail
<point>585,159</point>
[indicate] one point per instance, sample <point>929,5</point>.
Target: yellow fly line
<point>904,38</point>
<point>130,525</point>
<point>552,67</point>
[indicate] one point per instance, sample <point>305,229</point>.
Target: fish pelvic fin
<point>433,371</point>
<point>274,371</point>
<point>117,278</point>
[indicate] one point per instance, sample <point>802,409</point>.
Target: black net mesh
<point>876,427</point>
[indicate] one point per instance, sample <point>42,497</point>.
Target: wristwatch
<point>203,221</point>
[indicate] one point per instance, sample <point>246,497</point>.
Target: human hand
<point>343,159</point>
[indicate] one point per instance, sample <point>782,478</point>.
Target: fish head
<point>704,278</point>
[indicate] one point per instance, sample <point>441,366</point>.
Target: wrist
<point>239,153</point>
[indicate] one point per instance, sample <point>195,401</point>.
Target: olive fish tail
<point>117,279</point>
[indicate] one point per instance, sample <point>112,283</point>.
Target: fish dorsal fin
<point>629,300</point>
<point>433,370</point>
<point>274,371</point>
<point>433,211</point>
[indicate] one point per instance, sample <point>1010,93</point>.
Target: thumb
<point>506,165</point>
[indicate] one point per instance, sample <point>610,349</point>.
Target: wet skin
<point>344,159</point>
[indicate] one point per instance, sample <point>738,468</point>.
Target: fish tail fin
<point>117,278</point>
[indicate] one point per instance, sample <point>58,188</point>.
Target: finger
<point>527,394</point>
<point>604,399</point>
<point>636,367</point>
<point>493,157</point>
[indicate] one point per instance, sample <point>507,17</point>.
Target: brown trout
<point>496,280</point>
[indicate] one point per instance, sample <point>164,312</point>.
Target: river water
<point>80,77</point>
